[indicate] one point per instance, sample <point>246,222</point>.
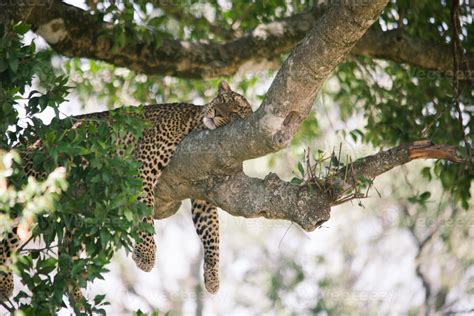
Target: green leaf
<point>3,65</point>
<point>426,173</point>
<point>47,266</point>
<point>21,28</point>
<point>13,63</point>
<point>128,214</point>
<point>296,181</point>
<point>301,169</point>
<point>98,299</point>
<point>425,196</point>
<point>104,237</point>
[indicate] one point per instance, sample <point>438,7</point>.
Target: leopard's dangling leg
<point>206,222</point>
<point>154,152</point>
<point>144,252</point>
<point>74,290</point>
<point>7,246</point>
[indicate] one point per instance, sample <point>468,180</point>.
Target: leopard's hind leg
<point>206,222</point>
<point>74,290</point>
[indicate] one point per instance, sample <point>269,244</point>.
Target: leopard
<point>170,124</point>
<point>167,125</point>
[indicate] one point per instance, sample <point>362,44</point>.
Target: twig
<point>339,155</point>
<point>24,244</point>
<point>8,308</point>
<point>41,249</point>
<point>286,231</point>
<point>349,161</point>
<point>467,312</point>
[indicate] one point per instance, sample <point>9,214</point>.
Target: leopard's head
<point>226,107</point>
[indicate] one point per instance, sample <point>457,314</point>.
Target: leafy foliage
<point>65,217</point>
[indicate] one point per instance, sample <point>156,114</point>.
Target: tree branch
<point>74,32</point>
<point>397,45</point>
<point>372,166</point>
<point>270,129</point>
<point>273,198</point>
<point>241,195</point>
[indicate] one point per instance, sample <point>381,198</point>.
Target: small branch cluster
<point>320,170</point>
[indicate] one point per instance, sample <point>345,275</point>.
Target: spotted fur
<point>8,245</point>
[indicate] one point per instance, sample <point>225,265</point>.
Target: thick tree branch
<point>74,32</point>
<point>273,198</point>
<point>399,46</point>
<point>241,195</point>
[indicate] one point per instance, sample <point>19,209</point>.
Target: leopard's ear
<point>223,87</point>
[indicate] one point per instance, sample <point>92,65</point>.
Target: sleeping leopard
<point>168,125</point>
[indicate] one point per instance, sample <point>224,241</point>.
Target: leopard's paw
<point>211,280</point>
<point>144,255</point>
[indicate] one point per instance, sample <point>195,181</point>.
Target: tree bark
<point>74,32</point>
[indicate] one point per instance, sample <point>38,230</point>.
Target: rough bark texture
<point>211,161</point>
<point>74,32</point>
